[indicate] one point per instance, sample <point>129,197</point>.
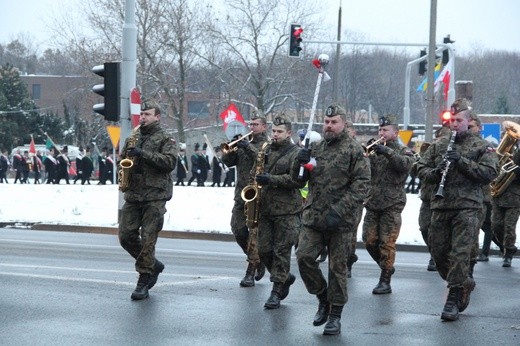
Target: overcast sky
<point>487,24</point>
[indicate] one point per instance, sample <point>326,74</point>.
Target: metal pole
<point>128,78</point>
<point>335,89</point>
<point>430,99</point>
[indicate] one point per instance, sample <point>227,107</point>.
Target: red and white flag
<point>32,147</point>
<point>231,114</point>
<point>444,77</point>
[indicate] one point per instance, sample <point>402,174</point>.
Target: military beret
<point>388,120</point>
<point>197,146</point>
<point>150,104</point>
<point>204,146</point>
<point>257,114</point>
<point>281,119</point>
<point>460,105</point>
<point>335,109</point>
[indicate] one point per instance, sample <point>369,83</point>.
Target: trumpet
<point>232,146</point>
<point>369,148</point>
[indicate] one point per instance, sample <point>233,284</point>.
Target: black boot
<point>286,285</point>
<point>451,309</point>
<point>158,267</point>
<point>249,278</point>
<point>141,290</point>
<point>323,309</point>
<point>351,260</point>
<point>483,257</point>
<point>260,271</point>
<point>383,287</point>
<point>467,287</point>
<point>273,302</point>
<point>333,326</point>
<point>508,258</point>
<point>471,268</point>
<point>431,265</point>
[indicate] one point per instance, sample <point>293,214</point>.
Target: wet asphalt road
<point>60,288</point>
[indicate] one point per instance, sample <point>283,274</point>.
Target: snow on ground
<point>196,209</point>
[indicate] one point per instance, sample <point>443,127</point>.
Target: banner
<point>231,114</point>
<point>32,147</point>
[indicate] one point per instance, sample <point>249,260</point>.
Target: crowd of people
<point>310,196</point>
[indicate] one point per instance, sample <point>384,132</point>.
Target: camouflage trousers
<point>452,237</point>
<point>310,244</point>
<point>380,231</point>
<point>276,237</point>
<point>239,227</point>
<point>140,225</point>
<point>425,217</point>
<point>503,223</point>
<point>484,223</point>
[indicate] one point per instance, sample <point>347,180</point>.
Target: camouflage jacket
<point>151,174</point>
<point>463,185</point>
<point>282,195</point>
<point>338,184</point>
<point>510,198</point>
<point>244,159</point>
<point>389,174</point>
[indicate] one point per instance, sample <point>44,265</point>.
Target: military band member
<point>244,159</point>
<point>150,187</point>
<point>280,208</point>
<point>457,204</point>
<point>338,183</point>
<point>390,164</point>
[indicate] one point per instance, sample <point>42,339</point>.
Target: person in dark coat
<point>102,158</point>
<point>182,165</point>
<point>79,170</point>
<point>195,166</point>
<point>51,166</point>
<point>4,166</point>
<point>87,167</point>
<point>26,167</point>
<point>63,166</point>
<point>217,168</point>
<point>17,166</point>
<point>205,167</point>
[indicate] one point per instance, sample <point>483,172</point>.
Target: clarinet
<point>440,190</point>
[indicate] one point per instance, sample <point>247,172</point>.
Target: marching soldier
<point>338,183</point>
<point>460,165</point>
<point>244,159</point>
<point>280,207</point>
<point>390,164</point>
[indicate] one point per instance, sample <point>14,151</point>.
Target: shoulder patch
<point>490,150</point>
<point>408,152</point>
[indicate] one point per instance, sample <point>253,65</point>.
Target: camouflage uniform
<point>455,218</point>
<point>505,213</point>
<point>385,202</point>
<point>244,159</point>
<point>338,184</point>
<point>151,185</point>
<point>280,207</point>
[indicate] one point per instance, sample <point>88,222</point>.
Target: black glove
<point>332,220</point>
<point>380,149</point>
<point>134,152</point>
<point>452,156</point>
<point>304,156</point>
<point>263,179</point>
<point>244,143</point>
<point>442,166</point>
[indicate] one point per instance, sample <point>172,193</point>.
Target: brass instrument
<point>440,190</point>
<point>128,162</point>
<point>505,152</point>
<point>371,143</point>
<point>232,146</point>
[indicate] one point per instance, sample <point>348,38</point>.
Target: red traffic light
<point>446,116</point>
<point>297,33</point>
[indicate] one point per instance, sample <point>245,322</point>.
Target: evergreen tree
<point>501,106</point>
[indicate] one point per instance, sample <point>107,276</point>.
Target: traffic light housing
<point>422,64</point>
<point>295,40</point>
<point>445,116</point>
<point>445,54</point>
<point>110,90</point>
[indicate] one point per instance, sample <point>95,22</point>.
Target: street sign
<point>491,133</point>
<point>135,106</point>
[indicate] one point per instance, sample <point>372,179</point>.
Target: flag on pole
<point>424,84</point>
<point>231,114</point>
<point>444,77</point>
<point>48,143</point>
<point>32,147</point>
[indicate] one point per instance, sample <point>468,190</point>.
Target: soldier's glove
<point>263,179</point>
<point>304,156</point>
<point>134,152</point>
<point>380,149</point>
<point>332,219</point>
<point>244,143</point>
<point>452,156</point>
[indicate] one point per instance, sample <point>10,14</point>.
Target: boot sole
<point>243,284</point>
<point>271,307</point>
<point>320,323</point>
<point>382,292</point>
<point>449,318</point>
<point>139,297</point>
<point>331,333</point>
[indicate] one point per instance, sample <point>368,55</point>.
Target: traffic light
<point>445,116</point>
<point>110,90</point>
<point>445,54</point>
<point>295,40</point>
<point>422,64</point>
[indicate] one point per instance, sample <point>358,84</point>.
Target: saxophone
<point>128,162</point>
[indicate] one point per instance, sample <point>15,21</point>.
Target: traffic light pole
<point>128,78</point>
<point>430,97</point>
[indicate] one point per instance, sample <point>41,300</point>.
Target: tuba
<point>128,162</point>
<point>505,152</point>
